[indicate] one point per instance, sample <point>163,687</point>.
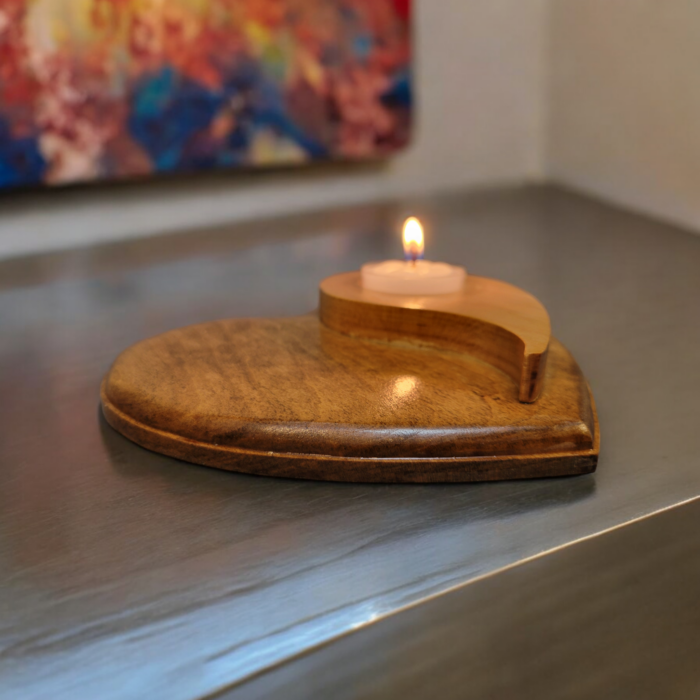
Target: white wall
<point>480,83</point>
<point>624,102</point>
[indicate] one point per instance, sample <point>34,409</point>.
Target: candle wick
<point>413,254</point>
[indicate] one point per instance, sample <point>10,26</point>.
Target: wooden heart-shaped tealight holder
<point>376,387</point>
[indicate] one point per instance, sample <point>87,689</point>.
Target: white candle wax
<point>418,278</point>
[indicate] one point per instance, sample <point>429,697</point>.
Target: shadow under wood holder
<point>375,387</point>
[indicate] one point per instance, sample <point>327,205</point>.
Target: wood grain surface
<point>291,397</point>
<point>492,320</point>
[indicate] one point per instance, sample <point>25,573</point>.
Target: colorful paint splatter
<point>103,89</point>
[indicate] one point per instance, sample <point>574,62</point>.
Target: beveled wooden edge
<point>359,469</point>
<point>492,320</point>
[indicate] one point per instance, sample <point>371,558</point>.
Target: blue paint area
<point>260,103</point>
<point>242,78</point>
<point>400,94</point>
<point>240,86</point>
<point>21,161</point>
<point>269,110</point>
<point>167,111</point>
<point>171,114</point>
<point>362,46</point>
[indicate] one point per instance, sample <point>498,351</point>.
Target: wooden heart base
<point>295,398</point>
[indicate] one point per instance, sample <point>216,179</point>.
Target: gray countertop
<point>126,574</point>
<point>614,616</point>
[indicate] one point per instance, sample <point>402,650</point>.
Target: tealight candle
<point>412,276</point>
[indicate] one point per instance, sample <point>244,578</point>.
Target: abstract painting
<point>110,89</point>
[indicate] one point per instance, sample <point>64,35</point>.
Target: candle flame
<point>412,239</point>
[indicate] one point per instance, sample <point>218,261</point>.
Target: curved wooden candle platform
<point>492,320</point>
<point>294,398</point>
